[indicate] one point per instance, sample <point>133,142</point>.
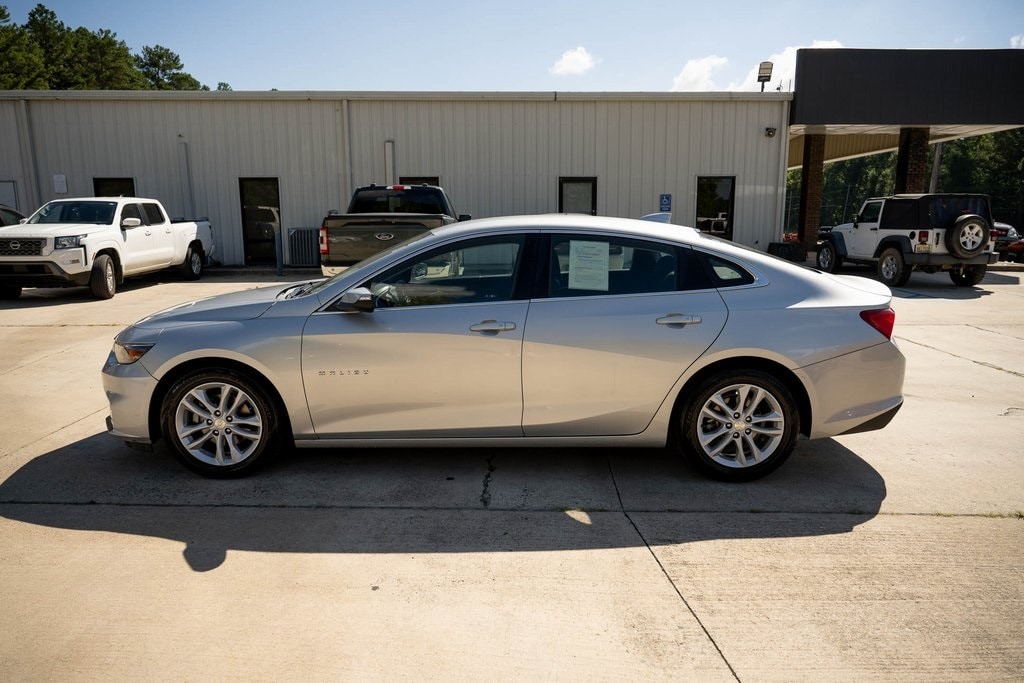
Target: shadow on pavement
<point>435,501</point>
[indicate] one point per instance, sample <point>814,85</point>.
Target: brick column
<point>912,163</point>
<point>811,180</point>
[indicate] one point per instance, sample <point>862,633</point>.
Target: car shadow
<point>40,297</point>
<point>437,501</point>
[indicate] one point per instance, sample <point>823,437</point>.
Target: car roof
<point>563,221</point>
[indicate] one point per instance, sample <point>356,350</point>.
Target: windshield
<point>100,213</point>
<point>369,263</point>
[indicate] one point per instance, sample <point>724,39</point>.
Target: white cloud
<point>1017,41</point>
<point>574,63</point>
<point>783,70</point>
<point>696,74</point>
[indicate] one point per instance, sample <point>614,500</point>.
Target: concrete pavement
<point>889,555</point>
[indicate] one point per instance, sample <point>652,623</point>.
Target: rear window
<point>412,200</point>
<point>943,211</point>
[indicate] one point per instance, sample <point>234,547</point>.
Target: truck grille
<point>21,247</point>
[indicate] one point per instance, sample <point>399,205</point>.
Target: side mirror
<point>131,223</point>
<point>465,217</point>
<point>356,300</point>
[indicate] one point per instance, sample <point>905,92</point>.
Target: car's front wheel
<point>892,269</point>
<point>103,278</point>
<point>739,425</point>
<point>219,422</point>
<point>968,276</point>
<point>828,260</point>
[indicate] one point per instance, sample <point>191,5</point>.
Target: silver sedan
<point>522,331</point>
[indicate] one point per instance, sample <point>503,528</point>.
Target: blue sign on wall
<point>666,202</point>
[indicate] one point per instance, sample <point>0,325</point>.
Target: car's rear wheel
<point>219,422</point>
<point>968,236</point>
<point>892,269</point>
<point>828,260</point>
<point>103,278</point>
<point>739,425</point>
<point>192,266</point>
<point>968,276</point>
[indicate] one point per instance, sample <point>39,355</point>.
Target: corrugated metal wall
<point>496,154</point>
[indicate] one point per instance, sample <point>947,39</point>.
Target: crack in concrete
<point>664,571</point>
<point>485,495</point>
<point>976,362</point>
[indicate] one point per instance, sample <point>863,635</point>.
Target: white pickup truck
<point>99,241</point>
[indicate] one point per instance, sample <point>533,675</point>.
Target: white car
<point>559,330</point>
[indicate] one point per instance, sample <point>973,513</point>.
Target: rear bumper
<point>857,392</point>
<point>950,260</point>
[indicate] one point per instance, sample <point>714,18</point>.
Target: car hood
<point>50,229</point>
<point>245,305</point>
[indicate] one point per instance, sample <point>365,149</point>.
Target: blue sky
<point>594,45</point>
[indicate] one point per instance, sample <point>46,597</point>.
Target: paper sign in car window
<point>588,265</point>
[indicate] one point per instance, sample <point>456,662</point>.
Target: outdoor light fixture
<point>764,73</point>
<point>769,132</point>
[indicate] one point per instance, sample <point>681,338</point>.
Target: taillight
<point>882,320</point>
<point>323,240</point>
<point>922,237</point>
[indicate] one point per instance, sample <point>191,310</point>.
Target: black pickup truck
<point>378,217</point>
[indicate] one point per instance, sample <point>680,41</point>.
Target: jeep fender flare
<point>837,241</point>
<point>901,242</point>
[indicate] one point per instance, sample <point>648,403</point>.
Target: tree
<point>23,66</point>
<point>223,87</point>
<point>162,69</point>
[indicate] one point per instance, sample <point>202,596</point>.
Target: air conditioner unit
<point>303,247</point>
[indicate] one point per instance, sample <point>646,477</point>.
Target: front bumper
<point>129,389</point>
<point>63,268</point>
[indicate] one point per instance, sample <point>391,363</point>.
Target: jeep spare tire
<point>968,236</point>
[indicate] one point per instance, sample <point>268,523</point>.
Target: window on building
<point>261,218</point>
<point>113,187</point>
<point>715,205</point>
<point>577,195</point>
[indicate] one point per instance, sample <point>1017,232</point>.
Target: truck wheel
<point>103,280</point>
<point>892,269</point>
<point>968,236</point>
<point>828,260</point>
<point>8,292</point>
<point>219,423</point>
<point>192,266</point>
<point>968,276</point>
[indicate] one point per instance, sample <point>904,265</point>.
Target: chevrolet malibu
<point>521,331</point>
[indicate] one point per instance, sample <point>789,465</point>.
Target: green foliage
<point>45,54</point>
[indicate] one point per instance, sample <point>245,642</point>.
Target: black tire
<point>220,423</point>
<point>103,279</point>
<point>828,260</point>
<point>8,292</point>
<point>746,447</point>
<point>968,236</point>
<point>968,276</point>
<point>892,269</point>
<point>192,267</point>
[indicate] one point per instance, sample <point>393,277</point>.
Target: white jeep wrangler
<point>907,232</point>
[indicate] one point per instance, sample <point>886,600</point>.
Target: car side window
<point>724,273</point>
<point>131,211</point>
<point>464,272</point>
<point>153,213</point>
<point>586,265</point>
<point>870,212</point>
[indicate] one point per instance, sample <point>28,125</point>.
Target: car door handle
<point>492,326</point>
<point>149,232</point>
<point>679,320</point>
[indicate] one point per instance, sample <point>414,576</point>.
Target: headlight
<point>68,242</point>
<point>126,354</point>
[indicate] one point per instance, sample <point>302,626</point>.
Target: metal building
<point>248,160</point>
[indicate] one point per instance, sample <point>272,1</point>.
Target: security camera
<point>769,132</point>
